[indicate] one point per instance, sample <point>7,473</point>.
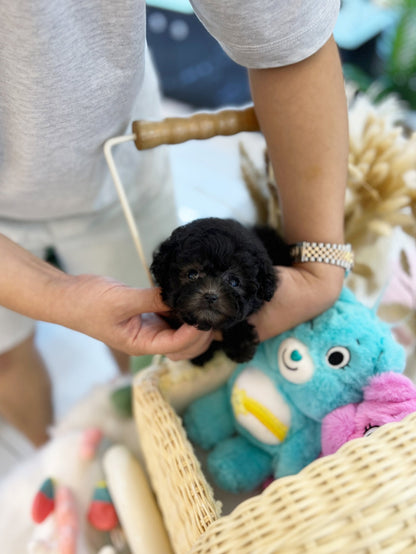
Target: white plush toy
<point>76,463</point>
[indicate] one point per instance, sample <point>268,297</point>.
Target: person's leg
<point>25,386</point>
<point>122,360</point>
<point>25,391</point>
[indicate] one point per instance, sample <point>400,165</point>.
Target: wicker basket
<point>361,499</point>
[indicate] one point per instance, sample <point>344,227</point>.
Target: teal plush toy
<point>266,420</point>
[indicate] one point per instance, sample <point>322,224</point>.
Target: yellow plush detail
<point>243,404</point>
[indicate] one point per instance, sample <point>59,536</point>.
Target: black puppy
<point>214,273</point>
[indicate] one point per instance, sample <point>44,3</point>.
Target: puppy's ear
<point>267,280</point>
<point>162,259</point>
<point>279,254</point>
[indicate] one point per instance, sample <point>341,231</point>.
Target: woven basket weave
<point>184,496</point>
<point>360,500</point>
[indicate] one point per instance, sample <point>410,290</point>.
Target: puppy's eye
<point>338,357</point>
<point>233,281</point>
<point>193,275</point>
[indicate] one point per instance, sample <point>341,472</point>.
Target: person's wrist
<point>66,299</point>
<point>327,279</point>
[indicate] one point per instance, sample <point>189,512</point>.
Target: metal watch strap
<point>324,252</point>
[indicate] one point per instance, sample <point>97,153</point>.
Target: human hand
<point>304,291</point>
<point>127,318</point>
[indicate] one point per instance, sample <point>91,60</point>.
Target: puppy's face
<point>210,295</point>
<point>213,273</point>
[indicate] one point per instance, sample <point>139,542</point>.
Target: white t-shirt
<point>268,33</point>
<point>74,73</point>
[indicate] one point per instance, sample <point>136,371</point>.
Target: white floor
<point>208,183</point>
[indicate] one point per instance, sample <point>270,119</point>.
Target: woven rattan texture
<point>184,496</point>
<point>360,500</point>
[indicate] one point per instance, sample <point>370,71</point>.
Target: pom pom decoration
<point>102,514</point>
<point>44,501</point>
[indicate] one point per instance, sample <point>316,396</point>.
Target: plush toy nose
<point>210,297</point>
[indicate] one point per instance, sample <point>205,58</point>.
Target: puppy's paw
<point>240,342</point>
<point>240,353</point>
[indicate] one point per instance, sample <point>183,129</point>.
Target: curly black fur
<point>214,273</point>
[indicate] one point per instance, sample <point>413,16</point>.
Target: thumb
<point>149,301</point>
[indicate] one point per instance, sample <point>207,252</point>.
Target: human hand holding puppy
<point>304,291</point>
<point>127,318</point>
<point>122,317</point>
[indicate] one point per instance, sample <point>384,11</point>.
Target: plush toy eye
<point>338,357</point>
<point>193,275</point>
<point>295,362</point>
<point>233,281</point>
<point>369,430</point>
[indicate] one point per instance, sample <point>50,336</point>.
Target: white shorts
<point>98,243</point>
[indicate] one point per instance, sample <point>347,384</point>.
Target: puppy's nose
<point>210,297</point>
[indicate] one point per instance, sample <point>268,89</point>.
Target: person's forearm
<point>302,112</point>
<point>29,285</point>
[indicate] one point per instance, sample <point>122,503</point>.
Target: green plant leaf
<point>402,61</point>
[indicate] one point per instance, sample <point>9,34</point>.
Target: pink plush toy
<point>388,397</point>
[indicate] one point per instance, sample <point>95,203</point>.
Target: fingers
<point>150,334</point>
<point>189,343</point>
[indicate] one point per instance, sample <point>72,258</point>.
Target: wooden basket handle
<point>175,130</point>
